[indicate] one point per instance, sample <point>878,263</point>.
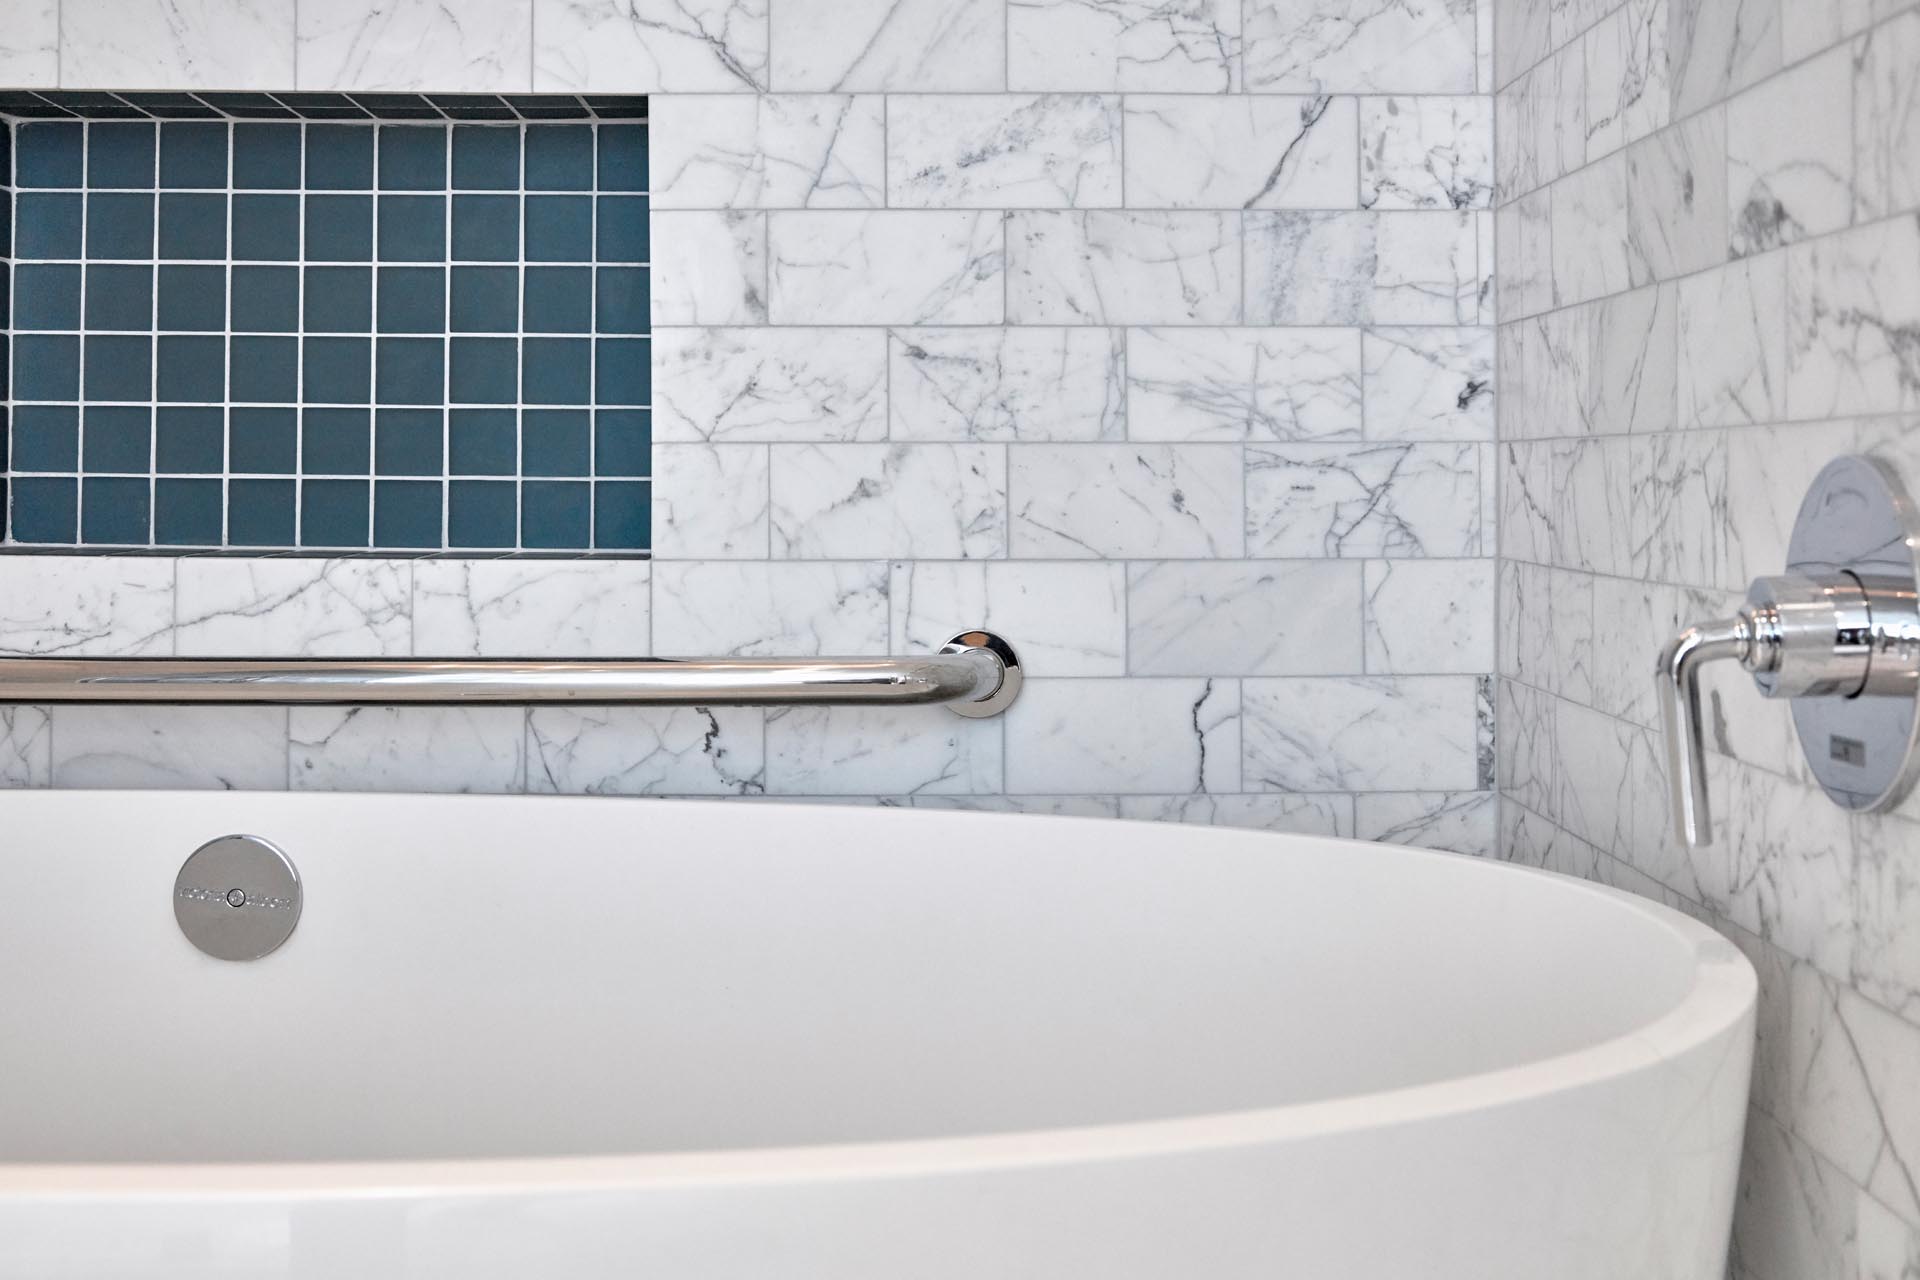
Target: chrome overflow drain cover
<point>237,898</point>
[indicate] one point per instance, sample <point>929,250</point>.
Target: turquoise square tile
<point>194,298</point>
<point>413,158</point>
<point>410,371</point>
<point>114,511</point>
<point>193,225</point>
<point>120,297</point>
<point>620,300</point>
<point>559,157</point>
<point>556,371</point>
<point>483,371</point>
<point>120,224</point>
<point>482,514</point>
<point>190,439</point>
<point>266,299</point>
<point>339,157</point>
<point>187,513</point>
<point>413,300</point>
<point>406,514</point>
<point>408,442</point>
<point>485,300</point>
<point>46,437</point>
<point>336,442</point>
<point>45,510</point>
<point>120,153</point>
<point>622,442</point>
<point>339,228</point>
<point>556,515</point>
<point>118,438</point>
<point>46,366</point>
<point>266,228</point>
<point>333,513</point>
<point>623,371</point>
<point>46,224</point>
<point>559,228</point>
<point>486,158</point>
<point>413,228</point>
<point>336,370</point>
<point>555,442</point>
<point>559,300</point>
<point>49,153</point>
<point>192,368</point>
<point>266,156</point>
<point>622,515</point>
<point>339,299</point>
<point>119,367</point>
<point>262,441</point>
<point>486,228</point>
<point>623,157</point>
<point>46,296</point>
<point>620,230</point>
<point>193,153</point>
<point>263,370</point>
<point>260,513</point>
<point>481,442</point>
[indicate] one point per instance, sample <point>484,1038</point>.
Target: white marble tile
<point>1114,501</point>
<point>1886,893</point>
<point>1808,26</point>
<point>1359,46</point>
<point>26,747</point>
<point>893,267</point>
<point>822,751</point>
<point>752,385</point>
<point>1362,734</point>
<point>1243,618</point>
<point>1770,468</point>
<point>1627,91</point>
<point>1796,1212</point>
<point>1139,735</point>
<point>708,267</point>
<point>885,46</point>
<point>1733,362</point>
<point>710,501</point>
<point>530,608</point>
<point>1717,47</point>
<point>1454,821</point>
<point>1790,155</point>
<point>1047,806</point>
<point>1429,384</point>
<point>1886,120</point>
<point>1525,229</point>
<point>263,608</point>
<point>995,151</point>
<point>717,609</point>
<point>1275,811</point>
<point>1242,152</point>
<point>478,46</point>
<point>1628,617</point>
<point>86,606</point>
<point>768,151</point>
<point>1429,617</point>
<point>1522,36</point>
<point>1595,796</point>
<point>1004,384</point>
<point>923,501</point>
<point>1568,19</point>
<point>1789,861</point>
<point>1678,518</point>
<point>438,749</point>
<point>1426,153</point>
<point>1632,366</point>
<point>646,750</point>
<point>1527,761</point>
<point>1853,322</point>
<point>1243,384</point>
<point>1677,199</point>
<point>1066,619</point>
<point>1398,500</point>
<point>649,46</point>
<point>1130,46</point>
<point>177,44</point>
<point>30,45</point>
<point>1362,268</point>
<point>170,748</point>
<point>1099,267</point>
<point>1590,232</point>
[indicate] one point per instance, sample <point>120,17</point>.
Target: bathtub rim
<point>1723,994</point>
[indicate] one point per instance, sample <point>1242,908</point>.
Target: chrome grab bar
<point>976,674</point>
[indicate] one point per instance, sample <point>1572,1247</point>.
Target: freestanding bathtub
<point>559,1039</point>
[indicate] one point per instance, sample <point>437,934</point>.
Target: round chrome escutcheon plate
<point>237,898</point>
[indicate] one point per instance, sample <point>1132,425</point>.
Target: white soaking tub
<point>576,1038</point>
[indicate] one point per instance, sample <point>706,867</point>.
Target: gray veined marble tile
<point>458,749</point>
<point>1627,92</point>
<point>347,608</point>
<point>170,748</point>
<point>875,46</point>
<point>1397,500</point>
<point>1790,155</point>
<point>1360,46</point>
<point>1522,36</point>
<point>30,45</point>
<point>1525,280</point>
<point>1886,958</point>
<point>1132,267</point>
<point>1429,617</point>
<point>708,267</point>
<point>1362,733</point>
<point>1632,368</point>
<point>1243,384</point>
<point>531,608</point>
<point>882,750</point>
<point>921,501</point>
<point>1014,151</point>
<point>1677,199</point>
<point>1126,501</point>
<point>86,606</point>
<point>1717,47</point>
<point>1590,232</point>
<point>646,750</point>
<point>1241,152</point>
<point>1243,618</point>
<point>710,501</point>
<point>1812,25</point>
<point>1050,806</point>
<point>478,46</point>
<point>1453,821</point>
<point>1362,268</point>
<point>1328,815</point>
<point>650,46</point>
<point>1483,24</point>
<point>740,385</point>
<point>26,747</point>
<point>891,267</point>
<point>768,151</point>
<point>1032,384</point>
<point>1429,383</point>
<point>1679,512</point>
<point>1066,618</point>
<point>1130,46</point>
<point>1140,735</point>
<point>1853,321</point>
<point>1886,119</point>
<point>741,608</point>
<point>1426,153</point>
<point>1733,362</point>
<point>176,44</point>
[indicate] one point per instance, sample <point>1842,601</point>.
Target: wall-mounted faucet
<point>1838,633</point>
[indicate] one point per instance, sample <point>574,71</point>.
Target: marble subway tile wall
<point>1709,273</point>
<point>1156,336</point>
